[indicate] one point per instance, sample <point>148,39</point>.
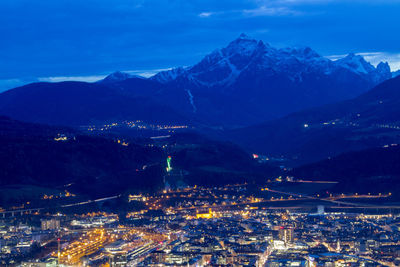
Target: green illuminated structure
<point>169,168</point>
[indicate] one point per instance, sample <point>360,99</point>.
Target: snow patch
<point>191,100</point>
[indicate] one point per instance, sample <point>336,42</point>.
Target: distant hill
<point>10,128</point>
<point>79,103</point>
<point>375,170</point>
<point>207,162</point>
<point>63,158</point>
<point>370,120</point>
<point>30,155</point>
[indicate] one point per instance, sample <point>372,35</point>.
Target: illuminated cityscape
<point>230,225</point>
<point>245,133</point>
<point>220,226</point>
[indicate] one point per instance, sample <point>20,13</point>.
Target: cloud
<point>271,11</point>
<point>259,8</point>
<point>91,78</point>
<point>319,2</point>
<point>205,14</point>
<point>302,1</point>
<point>146,73</point>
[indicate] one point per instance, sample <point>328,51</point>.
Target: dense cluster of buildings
<point>195,228</point>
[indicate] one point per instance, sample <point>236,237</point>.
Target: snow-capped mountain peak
<point>168,75</point>
<point>224,66</point>
<point>244,36</point>
<point>300,52</point>
<point>356,63</point>
<point>243,45</point>
<point>119,76</point>
<point>383,67</point>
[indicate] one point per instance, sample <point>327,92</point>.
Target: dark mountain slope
<point>201,161</point>
<point>30,155</point>
<point>370,120</point>
<point>368,171</point>
<point>10,128</point>
<point>54,157</point>
<point>78,103</point>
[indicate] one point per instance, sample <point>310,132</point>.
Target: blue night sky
<point>86,39</point>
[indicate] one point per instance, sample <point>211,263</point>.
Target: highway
<point>30,210</point>
<point>330,199</point>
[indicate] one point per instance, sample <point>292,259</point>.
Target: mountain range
<point>288,104</point>
<point>249,81</point>
<point>245,83</point>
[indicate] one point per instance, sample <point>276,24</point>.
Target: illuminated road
<point>332,200</point>
<point>315,182</point>
<point>238,204</point>
<point>298,197</point>
<point>24,211</point>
